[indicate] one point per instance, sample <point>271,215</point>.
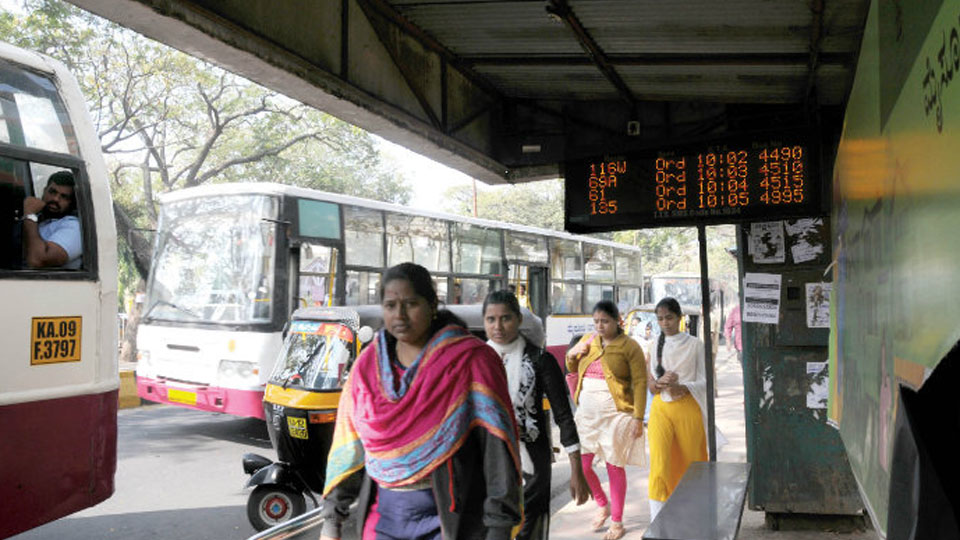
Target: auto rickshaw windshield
<point>315,356</point>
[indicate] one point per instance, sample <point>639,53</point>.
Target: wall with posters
<point>895,311</point>
<point>799,463</point>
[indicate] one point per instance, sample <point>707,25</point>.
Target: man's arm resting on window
<point>39,252</point>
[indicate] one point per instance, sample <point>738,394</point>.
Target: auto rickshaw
<point>300,406</point>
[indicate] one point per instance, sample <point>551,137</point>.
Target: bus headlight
<point>238,371</point>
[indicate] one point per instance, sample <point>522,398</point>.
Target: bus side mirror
<point>365,334</point>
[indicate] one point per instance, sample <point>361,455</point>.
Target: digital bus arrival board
<point>738,178</point>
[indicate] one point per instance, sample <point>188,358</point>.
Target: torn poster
<point>818,305</point>
<point>805,238</point>
<point>819,377</point>
<point>761,298</point>
<point>767,242</point>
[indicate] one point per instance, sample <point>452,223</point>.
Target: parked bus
<point>59,382</point>
<point>232,261</point>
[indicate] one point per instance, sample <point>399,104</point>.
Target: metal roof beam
<point>386,10</point>
<point>562,10</point>
<point>664,59</point>
<point>816,37</point>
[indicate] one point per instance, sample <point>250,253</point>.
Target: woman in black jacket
<point>531,373</point>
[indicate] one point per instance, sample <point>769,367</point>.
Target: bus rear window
<point>31,113</point>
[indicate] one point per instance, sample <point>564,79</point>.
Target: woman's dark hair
<point>504,297</point>
<point>672,305</point>
<point>419,278</point>
<point>611,309</point>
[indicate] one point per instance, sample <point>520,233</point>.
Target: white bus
<point>58,367</point>
<point>232,261</point>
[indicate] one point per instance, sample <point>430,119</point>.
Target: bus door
<point>530,285</point>
<point>320,267</point>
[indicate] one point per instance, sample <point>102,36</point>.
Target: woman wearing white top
<point>677,425</point>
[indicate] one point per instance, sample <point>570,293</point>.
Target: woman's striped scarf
<point>402,432</point>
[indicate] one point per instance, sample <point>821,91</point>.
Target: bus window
<point>472,291</point>
<point>318,270</point>
<point>628,297</point>
<point>596,293</point>
<point>566,298</point>
<point>418,239</point>
<point>51,194</point>
<point>362,287</point>
<point>476,250</point>
<point>598,263</point>
<point>525,247</point>
<point>565,260</point>
<point>33,115</point>
<point>363,237</point>
<point>628,268</point>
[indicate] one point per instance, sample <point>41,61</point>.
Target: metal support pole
<point>707,342</point>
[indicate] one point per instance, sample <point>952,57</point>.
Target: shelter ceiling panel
<point>496,28</point>
<point>550,83</point>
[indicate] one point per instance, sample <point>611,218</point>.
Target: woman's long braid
<point>660,341</point>
<point>672,305</point>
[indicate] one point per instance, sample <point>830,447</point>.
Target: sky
<point>428,178</point>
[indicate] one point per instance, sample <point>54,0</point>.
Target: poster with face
<point>818,305</point>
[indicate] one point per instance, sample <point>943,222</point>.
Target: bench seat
<point>707,504</point>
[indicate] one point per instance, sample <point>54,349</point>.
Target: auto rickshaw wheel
<point>272,504</point>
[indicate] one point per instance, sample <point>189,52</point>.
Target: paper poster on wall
<point>761,298</point>
<point>819,377</point>
<point>818,305</point>
<point>804,237</point>
<point>767,243</point>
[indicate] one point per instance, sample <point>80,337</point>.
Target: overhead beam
<point>386,10</point>
<point>816,37</point>
<point>408,77</point>
<point>562,10</point>
<point>663,59</point>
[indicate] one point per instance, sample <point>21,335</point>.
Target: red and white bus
<point>232,262</point>
<point>59,382</point>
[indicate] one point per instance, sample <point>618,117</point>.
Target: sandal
<point>615,532</point>
<point>602,514</point>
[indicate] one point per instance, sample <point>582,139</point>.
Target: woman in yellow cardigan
<point>611,399</point>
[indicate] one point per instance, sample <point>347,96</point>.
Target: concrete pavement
<point>573,522</point>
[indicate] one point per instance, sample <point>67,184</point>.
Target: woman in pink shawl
<point>425,438</point>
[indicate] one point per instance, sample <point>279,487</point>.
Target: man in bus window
<point>51,233</point>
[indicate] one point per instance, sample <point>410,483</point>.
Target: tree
<point>168,121</point>
<point>535,204</point>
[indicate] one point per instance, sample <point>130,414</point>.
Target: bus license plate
<point>297,427</point>
<point>55,339</point>
<point>182,396</point>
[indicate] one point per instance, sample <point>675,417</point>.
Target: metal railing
<point>304,526</point>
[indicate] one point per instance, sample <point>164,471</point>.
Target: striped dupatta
<point>401,435</point>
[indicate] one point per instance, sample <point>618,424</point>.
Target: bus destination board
<point>769,176</point>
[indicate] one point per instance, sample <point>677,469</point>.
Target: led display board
<point>738,178</point>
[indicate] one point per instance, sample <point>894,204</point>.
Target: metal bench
<point>707,504</point>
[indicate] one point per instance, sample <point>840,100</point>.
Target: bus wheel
<point>271,504</point>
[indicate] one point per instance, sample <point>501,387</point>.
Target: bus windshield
<point>316,356</point>
<point>214,261</point>
<point>685,289</point>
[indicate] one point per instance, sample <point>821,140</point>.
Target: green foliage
<point>168,121</point>
<point>535,204</point>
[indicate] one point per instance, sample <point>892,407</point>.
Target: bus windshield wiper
<point>173,305</point>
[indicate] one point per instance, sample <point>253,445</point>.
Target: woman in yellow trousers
<point>676,430</point>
